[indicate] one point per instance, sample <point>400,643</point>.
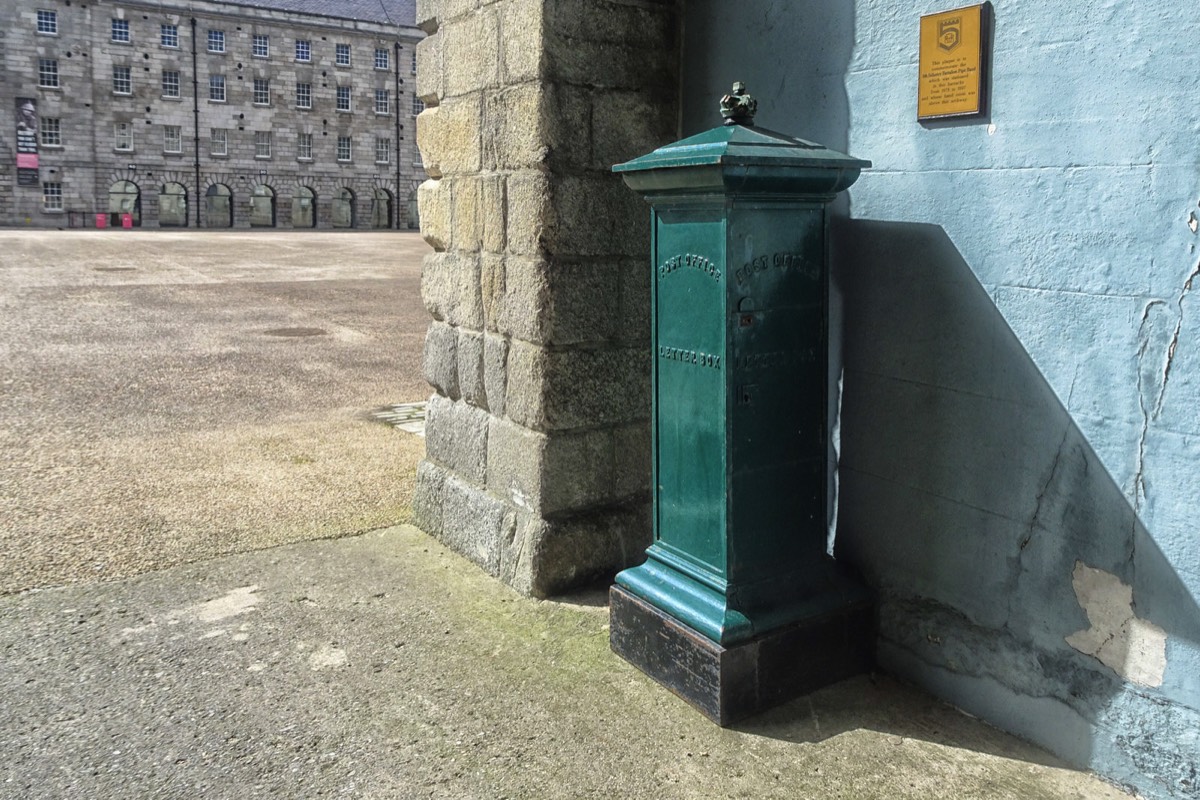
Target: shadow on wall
<point>1014,577</point>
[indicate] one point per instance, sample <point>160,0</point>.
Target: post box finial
<point>738,107</point>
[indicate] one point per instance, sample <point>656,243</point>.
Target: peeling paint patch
<point>1133,648</point>
<point>1152,334</point>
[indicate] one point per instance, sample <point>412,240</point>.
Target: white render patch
<point>234,603</point>
<point>237,601</point>
<point>1133,648</point>
<point>327,657</point>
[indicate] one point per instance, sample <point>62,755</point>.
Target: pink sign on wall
<point>27,141</point>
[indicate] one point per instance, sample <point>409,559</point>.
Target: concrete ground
<point>159,402</point>
<point>382,666</point>
<point>161,441</point>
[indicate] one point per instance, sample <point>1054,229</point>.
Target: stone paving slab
<point>383,666</point>
<point>408,417</point>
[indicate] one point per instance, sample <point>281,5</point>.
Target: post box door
<point>777,371</point>
<point>689,384</point>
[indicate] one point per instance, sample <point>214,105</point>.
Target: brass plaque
<point>953,63</point>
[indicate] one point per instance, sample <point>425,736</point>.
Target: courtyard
<point>171,396</point>
<point>210,591</point>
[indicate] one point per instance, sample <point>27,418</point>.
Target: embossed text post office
<point>737,606</point>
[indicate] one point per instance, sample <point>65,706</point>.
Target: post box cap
<point>742,157</point>
<point>739,142</point>
<point>742,145</point>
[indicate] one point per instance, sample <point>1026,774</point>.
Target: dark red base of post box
<point>727,684</point>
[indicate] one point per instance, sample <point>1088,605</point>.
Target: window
<point>216,88</point>
<point>52,197</point>
<point>341,54</point>
<point>383,103</point>
<point>262,144</point>
<point>170,81</point>
<point>414,61</point>
<point>304,147</point>
<point>51,132</point>
<point>262,92</point>
<point>218,142</point>
<point>383,150</point>
<point>343,98</point>
<point>382,60</point>
<point>48,73</point>
<point>216,41</point>
<point>47,22</point>
<point>343,148</point>
<point>168,35</point>
<point>417,105</point>
<point>303,95</point>
<point>172,139</point>
<point>303,50</point>
<point>261,47</point>
<point>123,136</point>
<point>120,30</point>
<point>122,80</point>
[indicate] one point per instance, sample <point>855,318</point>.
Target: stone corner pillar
<point>537,438</point>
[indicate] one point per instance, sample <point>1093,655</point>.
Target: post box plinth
<point>738,605</point>
<point>728,684</point>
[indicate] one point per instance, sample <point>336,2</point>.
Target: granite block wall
<point>538,437</point>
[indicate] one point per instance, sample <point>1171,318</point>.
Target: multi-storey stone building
<point>247,113</point>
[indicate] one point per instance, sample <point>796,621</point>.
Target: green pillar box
<point>738,606</point>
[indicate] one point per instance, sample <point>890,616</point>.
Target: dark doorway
<point>304,208</point>
<point>124,197</point>
<point>343,208</point>
<point>262,207</point>
<point>218,206</point>
<point>173,206</point>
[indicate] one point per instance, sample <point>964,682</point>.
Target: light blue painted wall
<point>1017,309</point>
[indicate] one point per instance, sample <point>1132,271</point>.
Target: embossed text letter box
<point>738,606</point>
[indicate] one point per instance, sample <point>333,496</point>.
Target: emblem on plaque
<point>949,33</point>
